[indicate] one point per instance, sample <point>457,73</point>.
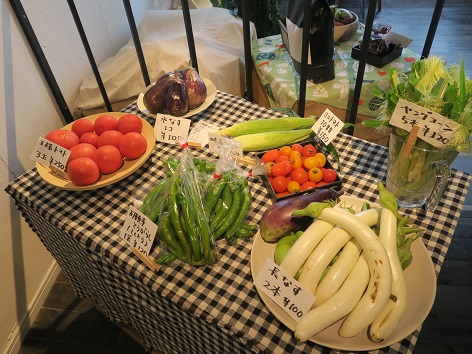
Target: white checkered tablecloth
<point>183,309</point>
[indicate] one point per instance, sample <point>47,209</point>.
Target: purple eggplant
<point>196,88</point>
<point>277,221</point>
<point>177,97</point>
<point>155,98</point>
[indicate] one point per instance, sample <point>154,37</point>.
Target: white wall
<point>28,110</point>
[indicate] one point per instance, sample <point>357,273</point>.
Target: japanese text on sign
<point>199,133</point>
<point>327,126</point>
<point>169,129</point>
<point>48,153</point>
<point>434,128</point>
<point>138,231</point>
<point>284,290</point>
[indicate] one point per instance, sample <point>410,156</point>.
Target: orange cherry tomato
<point>293,187</point>
<point>329,175</point>
<point>309,150</point>
<point>279,184</point>
<point>322,158</point>
<point>282,158</point>
<point>315,174</point>
<point>270,156</point>
<point>300,175</point>
<point>281,169</point>
<point>285,150</point>
<point>311,162</point>
<point>307,185</point>
<point>268,168</point>
<point>296,161</point>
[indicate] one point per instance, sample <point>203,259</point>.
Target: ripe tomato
<point>62,137</point>
<point>282,158</point>
<point>315,174</point>
<point>81,150</point>
<point>279,184</point>
<point>110,137</point>
<point>295,153</point>
<point>309,150</point>
<point>268,168</point>
<point>129,123</point>
<point>321,158</point>
<point>329,175</point>
<point>83,171</point>
<point>283,194</point>
<point>105,122</point>
<point>81,126</point>
<point>91,138</point>
<point>307,185</point>
<point>281,169</point>
<point>311,162</point>
<point>108,158</point>
<point>299,174</point>
<point>297,147</point>
<point>133,145</point>
<point>270,156</point>
<point>293,187</point>
<point>296,161</point>
<point>285,150</point>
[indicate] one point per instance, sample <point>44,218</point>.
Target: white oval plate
<point>421,286</point>
<point>211,95</point>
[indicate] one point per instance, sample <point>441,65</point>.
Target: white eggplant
<point>385,323</point>
<point>327,249</point>
<point>337,306</point>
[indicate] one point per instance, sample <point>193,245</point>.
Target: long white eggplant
<point>327,249</point>
<point>388,319</point>
<point>380,284</point>
<point>304,245</point>
<point>338,272</point>
<point>337,306</point>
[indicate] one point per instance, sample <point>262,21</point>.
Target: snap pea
<point>174,214</point>
<point>233,212</point>
<point>245,204</point>
<point>221,211</point>
<point>167,235</point>
<point>189,220</point>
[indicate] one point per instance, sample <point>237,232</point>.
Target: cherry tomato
<point>268,168</point>
<point>300,175</point>
<point>108,159</point>
<point>270,156</point>
<point>322,159</point>
<point>279,184</point>
<point>311,162</point>
<point>281,169</point>
<point>133,145</point>
<point>91,138</point>
<point>104,122</point>
<point>315,174</point>
<point>297,147</point>
<point>81,150</point>
<point>282,194</point>
<point>282,158</point>
<point>321,183</point>
<point>62,137</point>
<point>296,161</point>
<point>293,187</point>
<point>285,150</point>
<point>329,175</point>
<point>129,123</point>
<point>83,171</point>
<point>309,150</point>
<point>82,126</point>
<point>307,185</point>
<point>110,137</point>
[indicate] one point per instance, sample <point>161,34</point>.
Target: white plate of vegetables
<point>420,281</point>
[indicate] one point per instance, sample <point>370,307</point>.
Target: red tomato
<point>282,158</point>
<point>282,194</point>
<point>105,122</point>
<point>300,175</point>
<point>82,126</point>
<point>133,145</point>
<point>297,147</point>
<point>307,185</point>
<point>329,175</point>
<point>270,156</point>
<point>279,184</point>
<point>129,123</point>
<point>91,138</point>
<point>110,137</point>
<point>108,159</point>
<point>309,150</point>
<point>281,169</point>
<point>83,171</point>
<point>81,150</point>
<point>65,138</point>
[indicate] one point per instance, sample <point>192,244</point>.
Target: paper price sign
<point>284,290</point>
<point>138,231</point>
<point>435,129</point>
<point>171,130</point>
<point>48,153</point>
<point>217,141</point>
<point>327,126</point>
<point>199,133</point>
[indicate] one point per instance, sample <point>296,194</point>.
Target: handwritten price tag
<point>138,231</point>
<point>327,126</point>
<point>170,129</point>
<point>199,133</point>
<point>435,129</point>
<point>284,290</point>
<point>48,153</point>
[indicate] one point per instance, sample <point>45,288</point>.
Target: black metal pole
<point>432,28</point>
<point>304,61</point>
<point>189,31</point>
<point>41,59</point>
<point>137,42</point>
<point>247,50</point>
<point>351,112</point>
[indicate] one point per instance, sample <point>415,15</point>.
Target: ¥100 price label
<point>48,153</point>
<point>327,126</point>
<point>284,290</point>
<point>170,129</point>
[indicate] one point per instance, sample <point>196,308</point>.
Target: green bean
<point>167,235</point>
<point>214,193</point>
<point>174,213</point>
<point>222,211</point>
<point>233,211</point>
<point>243,210</point>
<point>151,205</point>
<point>189,220</point>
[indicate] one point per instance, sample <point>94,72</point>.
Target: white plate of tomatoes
<point>113,167</point>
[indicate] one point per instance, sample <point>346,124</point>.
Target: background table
<point>182,309</point>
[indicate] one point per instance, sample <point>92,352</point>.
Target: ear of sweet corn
<point>272,139</point>
<point>267,125</point>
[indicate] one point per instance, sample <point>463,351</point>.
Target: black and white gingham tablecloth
<point>183,309</point>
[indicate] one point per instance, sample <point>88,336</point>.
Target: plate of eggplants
<point>179,93</point>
